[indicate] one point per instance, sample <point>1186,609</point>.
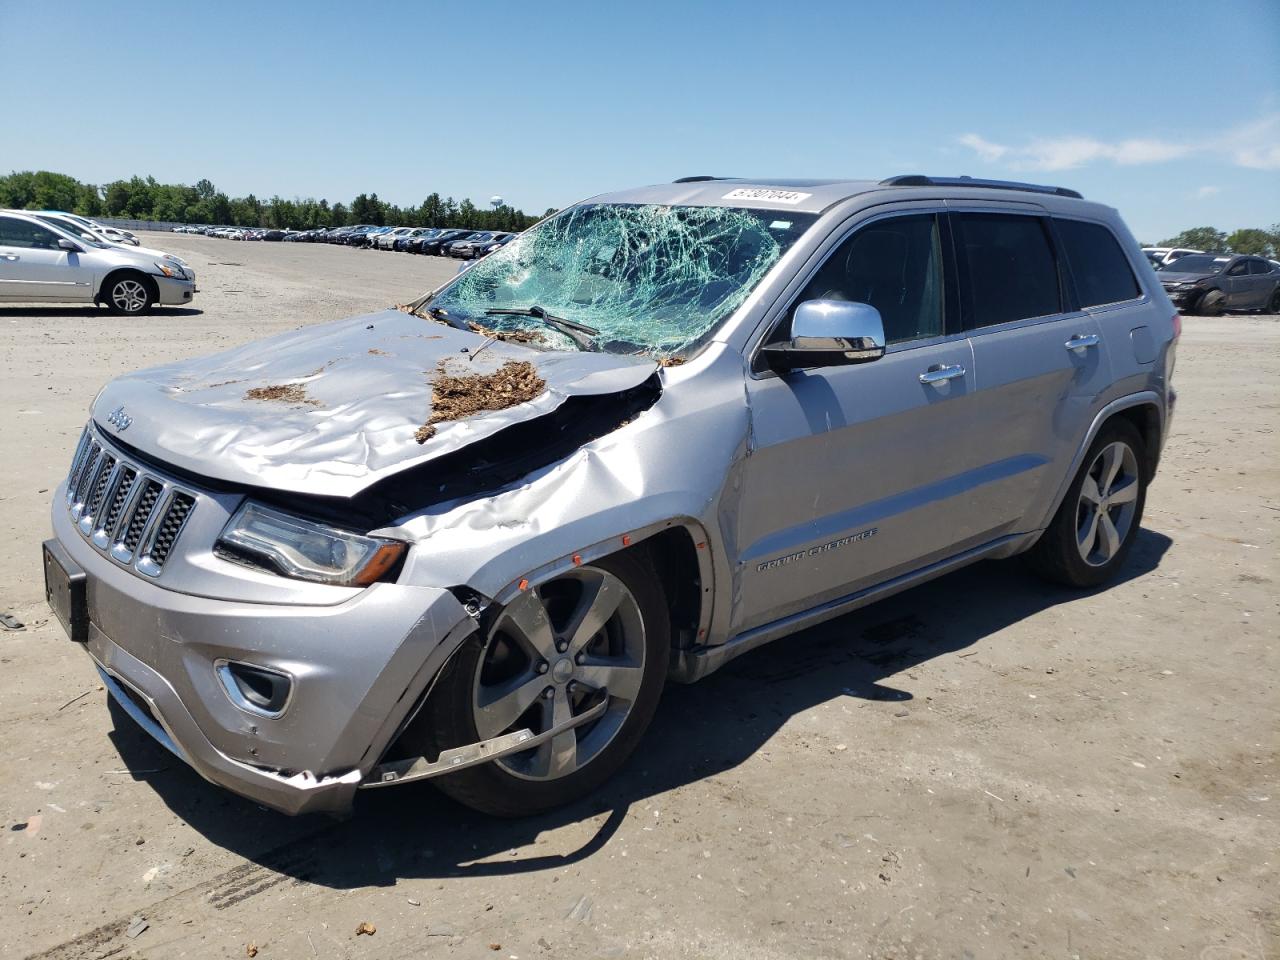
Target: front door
<point>34,267</point>
<point>859,473</point>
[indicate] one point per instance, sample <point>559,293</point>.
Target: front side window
<point>645,278</point>
<point>1011,270</point>
<point>1259,266</point>
<point>1098,264</point>
<point>24,233</point>
<point>894,265</point>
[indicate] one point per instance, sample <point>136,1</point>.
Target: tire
<point>129,294</point>
<point>1076,548</point>
<point>463,708</point>
<point>1273,305</point>
<point>1212,304</point>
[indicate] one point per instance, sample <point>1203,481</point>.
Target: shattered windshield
<point>645,278</point>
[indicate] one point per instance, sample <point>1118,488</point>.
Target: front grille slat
<point>86,474</point>
<point>169,527</point>
<point>141,514</point>
<point>118,500</point>
<point>133,516</point>
<point>100,481</point>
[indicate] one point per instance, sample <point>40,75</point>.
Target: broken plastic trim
<point>473,754</point>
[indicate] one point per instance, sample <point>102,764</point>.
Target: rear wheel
<point>597,634</point>
<point>129,294</point>
<point>1091,534</point>
<point>1273,305</point>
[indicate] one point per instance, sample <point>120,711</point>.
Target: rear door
<point>34,267</point>
<point>859,473</point>
<point>1041,361</point>
<point>1237,286</point>
<point>1263,279</point>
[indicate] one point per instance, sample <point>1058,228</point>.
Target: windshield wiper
<point>570,328</point>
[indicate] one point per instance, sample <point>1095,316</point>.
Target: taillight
<point>1177,325</point>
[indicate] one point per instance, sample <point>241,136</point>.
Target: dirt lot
<point>982,767</point>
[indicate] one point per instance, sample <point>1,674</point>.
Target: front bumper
<point>1183,299</point>
<point>358,668</point>
<point>174,292</point>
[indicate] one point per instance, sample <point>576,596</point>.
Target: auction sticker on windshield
<point>763,193</point>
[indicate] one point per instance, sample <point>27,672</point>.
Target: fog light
<point>254,689</point>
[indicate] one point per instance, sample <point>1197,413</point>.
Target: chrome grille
<point>126,511</point>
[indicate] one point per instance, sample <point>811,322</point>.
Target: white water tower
<point>495,202</point>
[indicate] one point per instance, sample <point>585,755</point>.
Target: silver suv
<point>471,539</point>
<point>42,260</point>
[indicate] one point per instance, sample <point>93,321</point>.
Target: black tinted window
<point>894,265</point>
<point>1238,269</point>
<point>1012,274</point>
<point>1098,264</point>
<point>23,233</point>
<point>1259,266</point>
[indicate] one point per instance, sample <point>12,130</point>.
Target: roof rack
<point>699,179</point>
<point>919,180</point>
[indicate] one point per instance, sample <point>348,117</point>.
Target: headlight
<point>306,550</point>
<point>172,270</point>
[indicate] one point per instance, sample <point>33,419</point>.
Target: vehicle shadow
<point>89,310</point>
<point>700,731</point>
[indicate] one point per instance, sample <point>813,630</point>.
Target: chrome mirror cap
<point>830,333</point>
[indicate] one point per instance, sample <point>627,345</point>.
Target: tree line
<point>1254,240</point>
<point>140,198</point>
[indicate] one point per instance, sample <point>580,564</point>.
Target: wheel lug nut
<point>561,646</point>
<point>579,658</point>
<point>572,686</point>
<point>542,667</point>
<point>549,693</point>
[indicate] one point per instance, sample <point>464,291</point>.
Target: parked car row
<point>434,241</point>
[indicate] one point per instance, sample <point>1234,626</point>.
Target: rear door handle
<point>1081,341</point>
<point>939,373</point>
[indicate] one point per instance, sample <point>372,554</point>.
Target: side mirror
<point>827,333</point>
<point>71,245</point>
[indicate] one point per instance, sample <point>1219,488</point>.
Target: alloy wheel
<point>1108,502</point>
<point>129,295</point>
<point>554,652</point>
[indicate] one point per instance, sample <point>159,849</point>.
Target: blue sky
<point>1168,110</point>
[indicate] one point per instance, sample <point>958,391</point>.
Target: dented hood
<point>352,396</point>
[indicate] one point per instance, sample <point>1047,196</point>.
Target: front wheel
<point>597,634</point>
<point>129,295</point>
<point>1212,304</point>
<point>1091,534</point>
<point>1273,305</point>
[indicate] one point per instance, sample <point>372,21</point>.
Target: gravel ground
<point>981,767</point>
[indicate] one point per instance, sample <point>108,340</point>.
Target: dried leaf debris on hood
<point>454,397</point>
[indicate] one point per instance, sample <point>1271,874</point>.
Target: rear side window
<point>1259,266</point>
<point>1098,264</point>
<point>1011,270</point>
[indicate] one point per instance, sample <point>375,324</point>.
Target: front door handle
<point>1081,341</point>
<point>939,373</point>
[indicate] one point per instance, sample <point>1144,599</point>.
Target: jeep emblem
<point>119,419</point>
